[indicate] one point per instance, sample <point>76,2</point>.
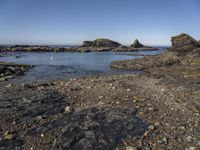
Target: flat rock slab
<point>99,128</point>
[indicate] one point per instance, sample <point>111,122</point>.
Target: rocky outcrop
<point>185,51</point>
<point>183,40</point>
<point>101,43</point>
<point>137,44</point>
<point>8,70</point>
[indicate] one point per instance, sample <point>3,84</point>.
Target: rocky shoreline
<point>156,110</point>
<point>10,70</point>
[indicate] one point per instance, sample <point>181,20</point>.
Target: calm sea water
<point>64,65</point>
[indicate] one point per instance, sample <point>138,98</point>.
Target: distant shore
<point>99,45</point>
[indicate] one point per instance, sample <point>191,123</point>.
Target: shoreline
<point>159,109</point>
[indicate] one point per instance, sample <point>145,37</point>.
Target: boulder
<point>183,40</point>
<point>101,43</point>
<point>137,44</point>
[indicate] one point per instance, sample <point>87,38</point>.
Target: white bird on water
<point>51,58</point>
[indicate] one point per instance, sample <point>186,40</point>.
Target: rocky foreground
<point>98,45</point>
<point>157,110</point>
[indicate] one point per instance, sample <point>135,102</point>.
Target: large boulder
<point>137,44</point>
<point>101,43</point>
<point>183,40</point>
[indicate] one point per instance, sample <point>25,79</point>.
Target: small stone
<point>101,103</point>
<point>42,135</point>
<point>39,117</point>
<point>151,127</point>
<point>130,148</point>
<point>192,148</point>
<point>100,97</point>
<point>9,85</point>
<point>150,109</point>
<point>67,109</point>
<point>165,140</point>
<point>141,113</point>
<point>113,88</point>
<point>163,90</point>
<point>128,90</point>
<point>156,124</point>
<point>7,136</point>
<point>14,122</point>
<point>134,101</point>
<point>189,138</point>
<point>117,102</point>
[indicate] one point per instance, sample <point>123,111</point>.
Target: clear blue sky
<point>153,22</point>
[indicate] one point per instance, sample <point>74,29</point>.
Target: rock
<point>9,85</point>
<point>99,128</point>
<point>165,140</point>
<point>130,148</point>
<point>151,127</point>
<point>156,124</point>
<point>189,138</point>
<point>2,68</point>
<point>7,135</point>
<point>67,109</point>
<point>101,43</point>
<point>137,44</point>
<point>183,40</point>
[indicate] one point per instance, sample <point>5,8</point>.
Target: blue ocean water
<point>64,65</point>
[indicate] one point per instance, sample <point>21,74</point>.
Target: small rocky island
<point>136,46</point>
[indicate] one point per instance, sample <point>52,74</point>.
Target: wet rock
<point>99,128</point>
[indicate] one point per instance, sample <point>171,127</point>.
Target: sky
<point>64,22</point>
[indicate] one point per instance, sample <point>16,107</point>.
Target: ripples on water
<point>63,65</point>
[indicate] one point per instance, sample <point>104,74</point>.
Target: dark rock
<point>137,44</point>
<point>183,40</point>
<point>99,128</point>
<point>2,69</point>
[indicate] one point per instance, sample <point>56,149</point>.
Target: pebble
<point>67,109</point>
<point>189,138</point>
<point>156,124</point>
<point>151,127</point>
<point>7,136</point>
<point>192,148</point>
<point>141,113</point>
<point>165,140</point>
<point>134,101</point>
<point>42,135</point>
<point>128,90</point>
<point>130,148</point>
<point>9,85</point>
<point>100,97</point>
<point>151,108</point>
<point>101,103</point>
<point>117,102</point>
